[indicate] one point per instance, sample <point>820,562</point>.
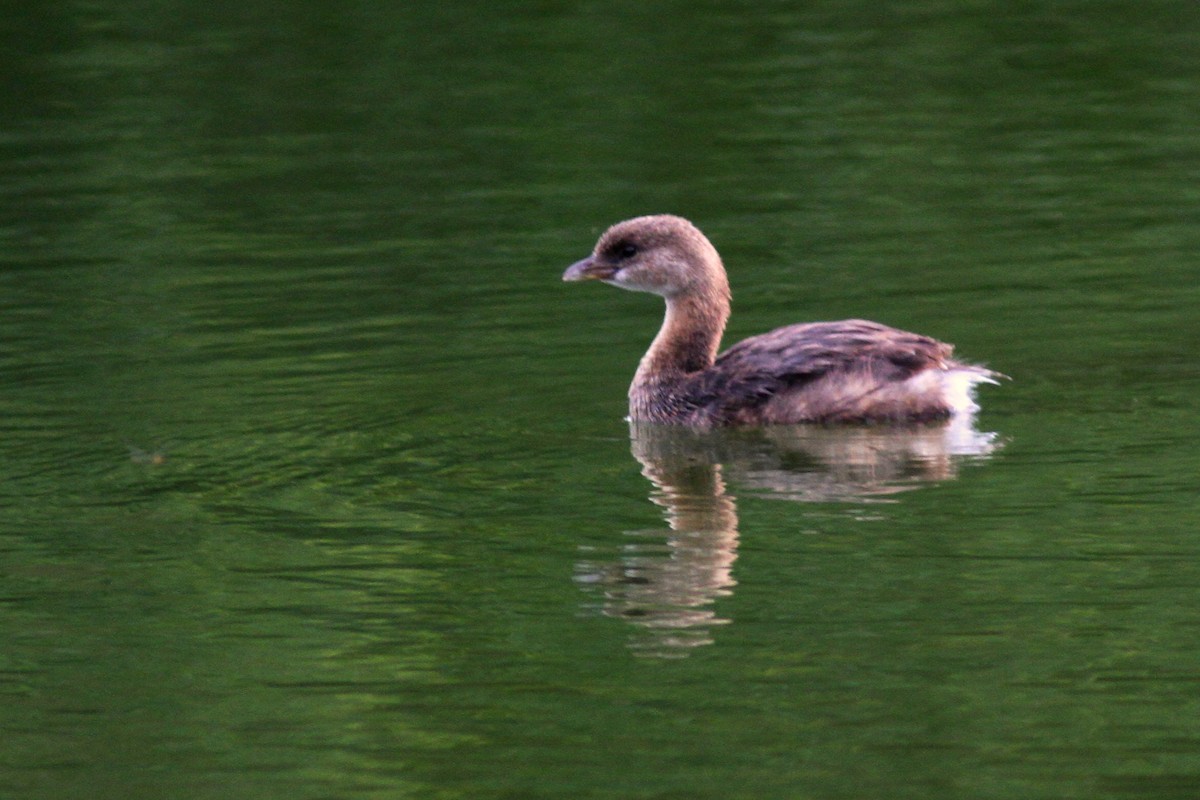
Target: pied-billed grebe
<point>828,372</point>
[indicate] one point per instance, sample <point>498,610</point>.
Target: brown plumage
<point>848,371</point>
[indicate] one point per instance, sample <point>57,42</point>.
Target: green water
<point>315,477</point>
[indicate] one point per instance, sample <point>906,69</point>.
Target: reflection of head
<point>664,584</point>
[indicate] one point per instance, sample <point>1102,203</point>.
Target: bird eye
<point>628,250</point>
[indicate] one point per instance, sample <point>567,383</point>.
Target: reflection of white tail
<point>961,438</point>
<point>665,581</point>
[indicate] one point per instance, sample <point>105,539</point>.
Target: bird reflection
<point>665,582</point>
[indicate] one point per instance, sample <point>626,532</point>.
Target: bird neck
<point>689,338</point>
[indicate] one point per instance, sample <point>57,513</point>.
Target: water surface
<point>316,479</point>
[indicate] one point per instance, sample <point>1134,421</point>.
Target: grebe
<point>853,371</point>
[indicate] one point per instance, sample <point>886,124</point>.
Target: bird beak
<point>589,270</point>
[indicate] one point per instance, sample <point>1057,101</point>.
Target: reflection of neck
<point>694,498</point>
<point>704,520</point>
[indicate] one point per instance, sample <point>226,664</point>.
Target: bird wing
<point>755,369</point>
